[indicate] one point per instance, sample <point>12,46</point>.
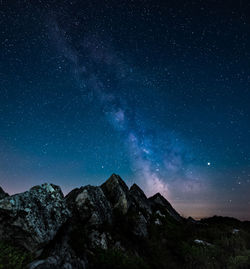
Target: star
<point>101,103</point>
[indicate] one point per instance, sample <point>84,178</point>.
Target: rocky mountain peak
<point>3,194</point>
<point>140,200</point>
<point>116,182</point>
<point>158,200</point>
<point>66,229</point>
<point>135,189</point>
<point>90,204</point>
<point>117,192</point>
<point>75,231</point>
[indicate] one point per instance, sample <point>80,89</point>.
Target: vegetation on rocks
<point>13,257</point>
<point>116,259</point>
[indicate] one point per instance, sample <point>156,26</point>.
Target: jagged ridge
<point>77,230</point>
<point>33,219</point>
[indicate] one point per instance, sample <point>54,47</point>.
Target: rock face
<point>60,256</point>
<point>3,194</point>
<point>142,208</point>
<point>140,200</point>
<point>117,193</point>
<point>141,226</point>
<point>159,200</point>
<point>34,217</point>
<point>63,232</point>
<point>90,204</point>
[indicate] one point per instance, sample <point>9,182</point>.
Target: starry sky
<point>155,91</point>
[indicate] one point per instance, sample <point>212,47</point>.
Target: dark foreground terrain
<point>112,226</point>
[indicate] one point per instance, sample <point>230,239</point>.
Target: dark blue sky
<point>156,92</point>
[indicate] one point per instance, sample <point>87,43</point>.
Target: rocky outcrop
<point>91,211</point>
<point>140,226</point>
<point>159,200</point>
<point>55,262</point>
<point>117,193</point>
<point>140,200</point>
<point>63,232</point>
<point>3,194</point>
<point>90,204</point>
<point>34,217</point>
<point>60,255</point>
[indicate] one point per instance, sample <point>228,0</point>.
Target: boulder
<point>60,256</point>
<point>98,240</point>
<point>202,243</point>
<point>32,218</point>
<point>55,262</point>
<point>90,205</point>
<point>157,222</point>
<point>117,193</point>
<point>60,253</point>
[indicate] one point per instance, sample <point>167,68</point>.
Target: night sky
<point>155,91</point>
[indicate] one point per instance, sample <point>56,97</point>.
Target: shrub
<point>79,240</point>
<point>116,259</point>
<point>202,257</point>
<point>240,262</point>
<point>13,257</point>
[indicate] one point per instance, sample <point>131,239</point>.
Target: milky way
<point>148,91</point>
<point>160,160</point>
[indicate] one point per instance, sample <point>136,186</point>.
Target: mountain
<point>3,194</point>
<point>113,226</point>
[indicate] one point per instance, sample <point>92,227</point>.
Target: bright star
<point>208,163</point>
